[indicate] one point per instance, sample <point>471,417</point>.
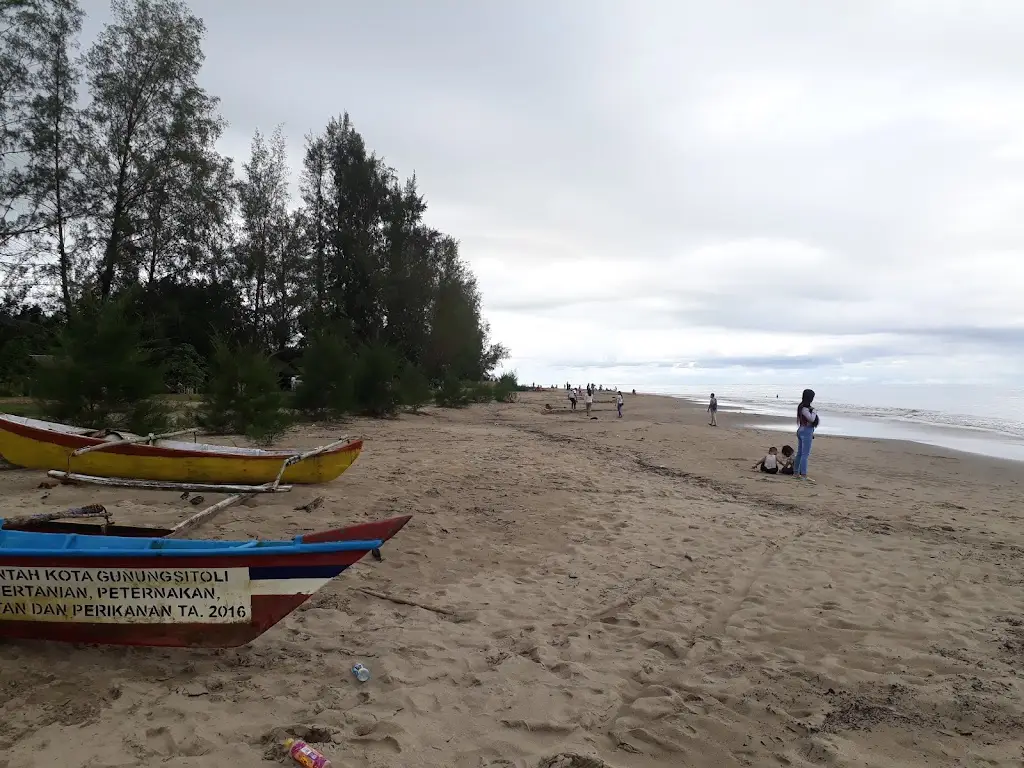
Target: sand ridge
<point>597,593</point>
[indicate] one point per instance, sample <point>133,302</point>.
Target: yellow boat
<point>35,444</point>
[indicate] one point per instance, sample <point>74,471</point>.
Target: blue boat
<point>131,586</point>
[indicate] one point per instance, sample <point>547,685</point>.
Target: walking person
<point>618,403</point>
<point>713,410</point>
<point>590,399</point>
<point>572,398</point>
<point>806,422</point>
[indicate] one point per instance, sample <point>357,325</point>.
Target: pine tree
<point>53,132</point>
<point>242,394</point>
<point>150,126</point>
<point>262,250</point>
<point>100,373</point>
<point>328,376</point>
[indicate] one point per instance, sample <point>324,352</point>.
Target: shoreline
<point>971,441</point>
<point>775,430</point>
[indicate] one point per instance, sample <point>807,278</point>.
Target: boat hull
<point>267,611</point>
<point>25,443</point>
<point>186,600</point>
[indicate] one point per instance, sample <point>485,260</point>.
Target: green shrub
<point>149,416</point>
<point>184,369</point>
<point>243,395</point>
<point>376,385</point>
<point>480,391</point>
<point>326,389</point>
<point>414,387</point>
<point>100,374</point>
<point>506,388</point>
<point>451,393</point>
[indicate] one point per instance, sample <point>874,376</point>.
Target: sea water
<point>974,420</point>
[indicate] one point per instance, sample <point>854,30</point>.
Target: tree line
<point>136,259</point>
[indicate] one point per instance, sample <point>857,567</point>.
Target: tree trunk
<point>154,245</point>
<point>113,248</point>
<point>62,253</point>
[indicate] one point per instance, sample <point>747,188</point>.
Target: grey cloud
<point>1009,337</point>
<point>761,362</point>
<point>631,140</point>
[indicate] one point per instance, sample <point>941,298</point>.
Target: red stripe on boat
<point>267,610</point>
<point>80,441</point>
<point>379,529</point>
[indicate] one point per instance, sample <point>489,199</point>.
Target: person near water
<point>590,400</point>
<point>713,410</point>
<point>572,398</point>
<point>806,422</point>
<point>618,403</point>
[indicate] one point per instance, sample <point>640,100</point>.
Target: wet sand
<point>627,591</point>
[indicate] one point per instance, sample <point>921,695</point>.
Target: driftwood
<point>91,510</point>
<point>311,506</point>
<point>160,485</point>
<point>404,601</point>
<point>307,455</point>
<point>199,518</point>
<point>131,441</point>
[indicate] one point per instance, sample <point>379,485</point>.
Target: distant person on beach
<point>787,460</point>
<point>590,400</point>
<point>572,399</point>
<point>618,403</point>
<point>806,422</point>
<point>713,410</point>
<point>770,463</point>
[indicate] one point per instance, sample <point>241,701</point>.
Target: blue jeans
<point>805,438</point>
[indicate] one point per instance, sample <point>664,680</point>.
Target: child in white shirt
<point>770,463</point>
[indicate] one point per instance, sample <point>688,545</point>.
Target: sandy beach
<point>609,592</point>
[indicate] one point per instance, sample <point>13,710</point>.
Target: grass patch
<point>20,406</point>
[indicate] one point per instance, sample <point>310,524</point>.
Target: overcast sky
<point>680,193</point>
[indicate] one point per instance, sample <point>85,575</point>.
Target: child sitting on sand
<point>770,463</point>
<point>787,460</point>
